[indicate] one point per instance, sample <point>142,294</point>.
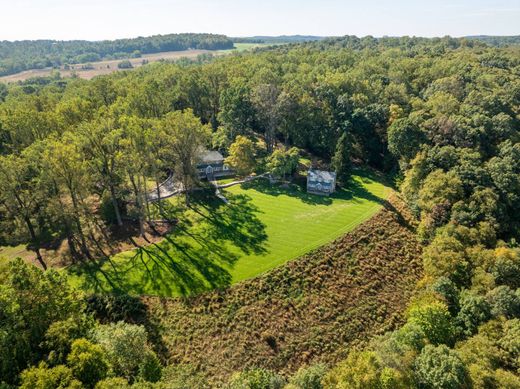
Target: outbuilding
<point>212,163</point>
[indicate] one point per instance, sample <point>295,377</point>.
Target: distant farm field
<point>110,66</point>
<point>214,245</point>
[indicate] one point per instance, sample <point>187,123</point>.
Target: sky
<point>111,19</point>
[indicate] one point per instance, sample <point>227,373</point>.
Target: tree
<point>435,320</point>
<point>87,362</point>
<point>21,202</point>
<point>31,301</point>
<point>126,348</point>
<point>282,162</point>
<point>265,99</point>
<point>101,144</point>
<point>474,310</point>
<point>440,367</point>
<point>42,377</point>
<point>242,155</point>
<point>405,139</point>
<point>236,110</point>
<point>187,139</point>
<point>341,160</point>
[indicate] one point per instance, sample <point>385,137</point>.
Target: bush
<point>126,64</point>
<point>113,383</point>
<point>150,368</point>
<point>309,377</point>
<point>256,379</point>
<point>440,367</point>
<point>183,376</point>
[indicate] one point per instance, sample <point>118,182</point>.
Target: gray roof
<point>211,156</point>
<point>321,175</point>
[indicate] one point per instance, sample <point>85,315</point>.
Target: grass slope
<point>313,309</point>
<point>215,245</point>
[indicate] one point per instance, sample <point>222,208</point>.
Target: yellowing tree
<point>242,155</point>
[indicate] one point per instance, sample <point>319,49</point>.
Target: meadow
<point>214,245</point>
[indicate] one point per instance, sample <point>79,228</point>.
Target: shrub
<point>150,368</point>
<point>256,379</point>
<point>309,377</point>
<point>126,64</point>
<point>183,376</point>
<point>111,308</point>
<point>113,383</point>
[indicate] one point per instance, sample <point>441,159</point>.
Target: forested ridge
<point>38,54</point>
<point>439,116</point>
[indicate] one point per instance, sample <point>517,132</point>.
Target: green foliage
<point>504,302</point>
<point>440,367</point>
<point>363,370</point>
<point>126,349</point>
<point>242,155</point>
<point>150,369</point>
<point>435,320</point>
<point>283,162</point>
<point>87,362</point>
<point>126,64</point>
<point>474,310</point>
<point>183,376</point>
<point>405,139</point>
<point>256,379</point>
<point>309,377</point>
<point>18,56</point>
<point>30,302</point>
<point>42,377</point>
<point>341,159</point>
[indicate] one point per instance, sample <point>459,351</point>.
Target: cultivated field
<point>214,245</point>
<point>110,66</point>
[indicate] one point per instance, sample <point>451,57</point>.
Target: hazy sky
<point>109,19</point>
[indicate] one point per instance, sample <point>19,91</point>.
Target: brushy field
<point>214,245</point>
<point>313,309</point>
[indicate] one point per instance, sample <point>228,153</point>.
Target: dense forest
<point>441,117</point>
<point>23,55</point>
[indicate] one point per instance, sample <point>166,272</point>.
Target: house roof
<point>321,175</point>
<point>211,156</point>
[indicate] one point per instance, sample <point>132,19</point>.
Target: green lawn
<point>215,245</point>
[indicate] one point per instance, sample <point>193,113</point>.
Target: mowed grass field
<point>214,245</point>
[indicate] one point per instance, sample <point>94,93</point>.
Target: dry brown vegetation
<point>313,309</point>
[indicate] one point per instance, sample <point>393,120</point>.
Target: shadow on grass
<point>208,239</point>
<point>354,190</point>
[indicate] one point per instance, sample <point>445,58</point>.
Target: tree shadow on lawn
<point>354,190</point>
<point>196,257</point>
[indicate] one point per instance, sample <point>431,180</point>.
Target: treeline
<point>441,114</point>
<point>23,55</point>
<point>497,41</point>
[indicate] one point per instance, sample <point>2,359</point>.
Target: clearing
<point>214,245</point>
<point>110,66</point>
